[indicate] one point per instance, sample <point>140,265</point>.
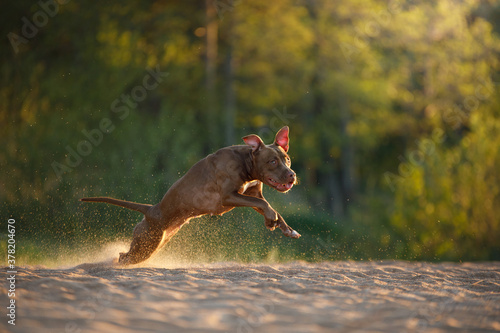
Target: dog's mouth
<point>282,187</point>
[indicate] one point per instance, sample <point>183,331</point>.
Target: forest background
<point>393,109</point>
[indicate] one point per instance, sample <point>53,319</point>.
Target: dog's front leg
<point>256,191</point>
<point>286,229</point>
<point>236,199</point>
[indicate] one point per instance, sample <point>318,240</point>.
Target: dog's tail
<point>143,208</point>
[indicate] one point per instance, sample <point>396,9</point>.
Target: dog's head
<point>271,162</point>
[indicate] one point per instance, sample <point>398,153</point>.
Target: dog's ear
<point>253,141</point>
<point>282,138</point>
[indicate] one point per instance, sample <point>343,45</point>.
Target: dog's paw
<point>123,259</point>
<point>291,233</point>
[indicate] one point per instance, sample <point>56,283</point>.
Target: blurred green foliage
<point>393,107</point>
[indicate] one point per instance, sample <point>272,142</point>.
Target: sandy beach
<point>388,296</point>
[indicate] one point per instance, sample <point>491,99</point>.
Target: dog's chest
<point>247,185</point>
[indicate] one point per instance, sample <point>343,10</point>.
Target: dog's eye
<point>273,162</point>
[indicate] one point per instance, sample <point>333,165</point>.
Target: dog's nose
<point>291,176</point>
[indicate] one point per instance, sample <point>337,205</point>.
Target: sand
<point>388,296</point>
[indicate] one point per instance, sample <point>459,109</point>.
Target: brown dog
<point>231,177</point>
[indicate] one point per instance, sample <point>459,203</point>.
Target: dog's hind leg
<point>146,240</point>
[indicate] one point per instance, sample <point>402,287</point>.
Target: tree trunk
<point>211,38</point>
<point>347,164</point>
<point>229,99</point>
